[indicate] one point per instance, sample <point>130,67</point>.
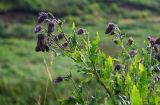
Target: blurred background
<point>22,71</point>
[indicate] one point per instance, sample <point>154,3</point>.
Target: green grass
<point>22,73</point>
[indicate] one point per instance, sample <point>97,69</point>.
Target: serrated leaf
<point>141,68</point>
<point>135,96</point>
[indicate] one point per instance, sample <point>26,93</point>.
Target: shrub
<point>130,79</point>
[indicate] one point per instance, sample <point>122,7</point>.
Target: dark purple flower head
<point>41,44</point>
<point>42,16</point>
<point>110,28</point>
<point>64,45</point>
<point>80,31</point>
<point>130,40</point>
<point>58,79</point>
<point>152,40</point>
<point>37,28</point>
<point>51,25</point>
<point>132,54</point>
<point>117,66</point>
<point>156,48</point>
<point>59,37</point>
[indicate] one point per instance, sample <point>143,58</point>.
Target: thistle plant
<point>133,78</point>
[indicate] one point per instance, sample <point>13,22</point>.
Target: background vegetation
<point>22,73</point>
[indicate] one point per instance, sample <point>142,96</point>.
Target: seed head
<point>51,25</point>
<point>42,16</point>
<point>37,28</point>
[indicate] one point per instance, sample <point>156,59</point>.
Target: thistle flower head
<point>59,37</point>
<point>117,66</point>
<point>41,45</point>
<point>130,40</point>
<point>58,79</point>
<point>80,31</point>
<point>42,16</point>
<point>37,29</point>
<point>64,45</point>
<point>110,28</point>
<point>132,54</point>
<point>51,25</point>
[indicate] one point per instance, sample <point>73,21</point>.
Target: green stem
<point>45,97</point>
<point>76,89</point>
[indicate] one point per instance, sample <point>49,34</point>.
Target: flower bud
<point>42,16</point>
<point>117,66</point>
<point>132,54</point>
<point>51,26</point>
<point>130,40</point>
<point>58,79</point>
<point>152,40</point>
<point>80,31</point>
<point>116,41</point>
<point>37,28</point>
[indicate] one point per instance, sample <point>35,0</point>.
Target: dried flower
<point>51,25</point>
<point>37,28</point>
<point>130,40</point>
<point>117,66</point>
<point>80,31</point>
<point>42,16</point>
<point>58,79</point>
<point>110,28</point>
<point>132,54</point>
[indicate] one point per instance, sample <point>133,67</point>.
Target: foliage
<point>132,78</point>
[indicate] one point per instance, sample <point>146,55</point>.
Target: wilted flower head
<point>51,25</point>
<point>58,79</point>
<point>41,45</point>
<point>80,31</point>
<point>117,66</point>
<point>110,28</point>
<point>132,54</point>
<point>37,28</point>
<point>130,40</point>
<point>42,16</point>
